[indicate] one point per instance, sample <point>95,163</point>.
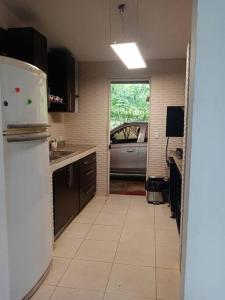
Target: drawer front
<point>88,160</point>
<point>87,194</point>
<point>85,169</point>
<point>87,184</point>
<point>87,177</point>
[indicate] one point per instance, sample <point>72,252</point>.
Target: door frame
<point>142,80</point>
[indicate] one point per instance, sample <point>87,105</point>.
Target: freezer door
<point>29,213</point>
<point>23,95</point>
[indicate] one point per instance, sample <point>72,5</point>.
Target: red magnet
<point>17,89</point>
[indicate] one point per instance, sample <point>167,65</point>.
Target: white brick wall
<point>57,124</point>
<point>90,125</point>
<point>166,90</point>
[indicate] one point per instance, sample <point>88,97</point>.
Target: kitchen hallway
<point>118,248</point>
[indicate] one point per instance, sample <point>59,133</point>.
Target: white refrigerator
<point>25,166</point>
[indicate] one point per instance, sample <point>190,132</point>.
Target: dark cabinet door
<point>175,192</point>
<point>29,45</point>
<point>65,195</point>
<point>61,80</point>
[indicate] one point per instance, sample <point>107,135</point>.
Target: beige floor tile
<point>58,268</point>
<point>94,207</point>
<point>133,281</point>
<point>167,257</point>
<point>76,230</point>
<point>43,293</point>
<point>74,294</point>
<point>165,223</point>
<point>86,217</point>
<point>97,251</point>
<point>141,254</point>
<point>117,197</point>
<point>104,233</point>
<point>137,218</point>
<point>142,209</point>
<point>98,200</point>
<point>162,210</point>
<point>87,275</point>
<point>110,219</point>
<point>124,297</point>
<point>168,282</point>
<point>136,234</point>
<point>168,238</point>
<point>66,247</point>
<point>112,208</point>
<point>139,201</point>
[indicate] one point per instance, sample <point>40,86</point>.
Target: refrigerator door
<point>23,93</point>
<point>29,213</point>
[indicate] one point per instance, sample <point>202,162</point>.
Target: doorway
<point>129,118</point>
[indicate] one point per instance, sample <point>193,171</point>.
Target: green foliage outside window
<point>129,103</point>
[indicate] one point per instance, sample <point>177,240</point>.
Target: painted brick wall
<point>90,125</point>
<point>166,90</point>
<point>57,125</point>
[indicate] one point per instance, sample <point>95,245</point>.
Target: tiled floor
<point>118,248</point>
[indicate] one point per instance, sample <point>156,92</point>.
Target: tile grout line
<point>84,238</point>
<point>71,259</point>
<point>118,243</point>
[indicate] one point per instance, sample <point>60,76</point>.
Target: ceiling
<point>161,27</point>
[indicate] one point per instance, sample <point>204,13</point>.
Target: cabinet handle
<point>89,172</point>
<point>88,192</point>
<point>86,162</point>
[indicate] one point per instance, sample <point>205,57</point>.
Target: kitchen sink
<point>59,154</point>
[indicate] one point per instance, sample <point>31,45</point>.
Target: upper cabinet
<point>62,81</point>
<point>29,45</point>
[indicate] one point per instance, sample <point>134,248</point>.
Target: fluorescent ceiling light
<point>130,55</point>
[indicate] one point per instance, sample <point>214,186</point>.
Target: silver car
<point>128,144</point>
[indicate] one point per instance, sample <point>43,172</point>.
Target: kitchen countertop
<point>177,160</point>
<point>79,152</point>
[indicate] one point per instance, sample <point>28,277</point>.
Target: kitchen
<point>78,136</point>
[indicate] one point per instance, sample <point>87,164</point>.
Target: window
<point>128,134</point>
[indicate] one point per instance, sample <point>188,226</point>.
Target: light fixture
<point>128,52</point>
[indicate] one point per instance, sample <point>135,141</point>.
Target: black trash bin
<point>156,187</point>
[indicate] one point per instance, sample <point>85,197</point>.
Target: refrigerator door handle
<point>27,137</point>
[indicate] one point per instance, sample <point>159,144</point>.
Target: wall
<point>90,125</point>
<point>7,18</point>
<point>204,223</point>
<point>57,125</point>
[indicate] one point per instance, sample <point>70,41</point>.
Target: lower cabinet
<point>65,196</point>
<point>73,187</point>
<point>175,192</point>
